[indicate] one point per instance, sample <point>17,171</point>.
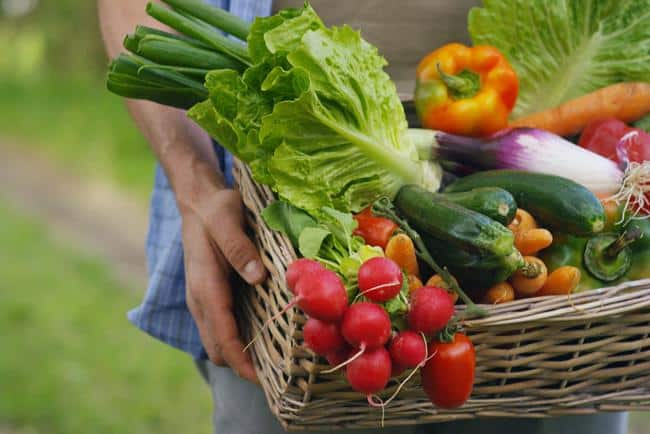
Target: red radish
<point>370,372</point>
<point>298,268</point>
<point>322,337</point>
<point>396,370</point>
<point>408,349</point>
<point>366,326</point>
<point>322,295</point>
<point>380,279</point>
<point>430,311</point>
<point>340,356</point>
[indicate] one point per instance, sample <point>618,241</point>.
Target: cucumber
<point>493,202</point>
<point>432,214</point>
<point>472,269</point>
<point>556,202</point>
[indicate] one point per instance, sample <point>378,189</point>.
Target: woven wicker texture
<point>535,357</point>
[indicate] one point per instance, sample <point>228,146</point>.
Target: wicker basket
<point>535,358</point>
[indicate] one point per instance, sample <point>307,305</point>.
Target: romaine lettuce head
<point>562,49</point>
<point>315,117</point>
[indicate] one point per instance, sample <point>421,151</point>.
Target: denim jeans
<point>240,408</point>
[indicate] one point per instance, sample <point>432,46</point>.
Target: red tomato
<point>603,136</point>
<point>448,377</point>
<point>375,231</point>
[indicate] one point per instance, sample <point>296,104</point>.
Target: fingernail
<point>253,271</point>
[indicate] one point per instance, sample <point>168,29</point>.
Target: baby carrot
<point>400,249</point>
<point>561,281</point>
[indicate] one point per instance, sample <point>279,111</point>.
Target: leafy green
<point>291,221</point>
<point>562,49</point>
<point>311,241</point>
<point>397,307</point>
<point>315,117</point>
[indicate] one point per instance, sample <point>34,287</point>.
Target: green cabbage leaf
<point>562,49</point>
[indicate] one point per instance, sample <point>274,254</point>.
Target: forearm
<point>184,150</point>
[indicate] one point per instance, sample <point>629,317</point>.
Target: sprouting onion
<point>523,149</point>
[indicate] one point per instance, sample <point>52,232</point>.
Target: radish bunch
<point>360,336</point>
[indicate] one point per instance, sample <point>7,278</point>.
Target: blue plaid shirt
<point>163,313</point>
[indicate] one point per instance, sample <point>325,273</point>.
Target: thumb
<point>226,227</point>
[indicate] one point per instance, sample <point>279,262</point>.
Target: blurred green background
<point>69,360</point>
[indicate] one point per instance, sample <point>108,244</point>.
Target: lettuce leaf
<point>562,49</point>
<point>316,117</point>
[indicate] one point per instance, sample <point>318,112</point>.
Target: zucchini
<point>556,202</point>
<point>472,269</point>
<point>493,202</point>
<point>433,215</point>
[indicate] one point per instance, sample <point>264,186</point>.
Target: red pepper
<point>376,231</point>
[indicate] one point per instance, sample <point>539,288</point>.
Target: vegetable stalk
<point>214,16</point>
<point>201,32</point>
<point>383,207</point>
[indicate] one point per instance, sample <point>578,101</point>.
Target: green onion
<point>214,16</point>
<point>168,51</point>
<point>201,32</point>
<point>134,77</point>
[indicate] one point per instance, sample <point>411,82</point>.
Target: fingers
<point>209,299</point>
<point>210,344</point>
<point>222,325</point>
<point>224,221</point>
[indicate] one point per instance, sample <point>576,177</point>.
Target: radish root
<point>635,186</point>
<point>374,288</point>
<point>289,305</point>
<point>362,349</point>
<point>382,404</point>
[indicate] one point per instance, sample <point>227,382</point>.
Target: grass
<point>79,125</point>
<point>69,360</point>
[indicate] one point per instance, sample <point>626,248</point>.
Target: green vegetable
<point>315,100</point>
<point>569,250</point>
<point>383,207</point>
<point>608,256</point>
<point>291,221</point>
<point>555,202</point>
<point>562,49</point>
<point>493,202</point>
<point>471,268</point>
<point>308,107</point>
<point>397,307</point>
<point>433,215</point>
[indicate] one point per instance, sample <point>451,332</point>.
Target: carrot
<point>523,221</point>
<point>529,279</point>
<point>532,241</point>
<point>438,282</point>
<point>625,101</point>
<point>561,281</point>
<point>400,249</point>
<point>414,283</point>
<point>499,293</point>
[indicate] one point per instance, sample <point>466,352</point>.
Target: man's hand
<point>214,241</point>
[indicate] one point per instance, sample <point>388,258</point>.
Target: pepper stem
<point>463,85</point>
<point>626,238</point>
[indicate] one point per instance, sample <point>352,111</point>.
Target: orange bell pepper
<point>465,90</point>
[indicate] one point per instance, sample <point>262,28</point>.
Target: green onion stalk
<point>170,68</point>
